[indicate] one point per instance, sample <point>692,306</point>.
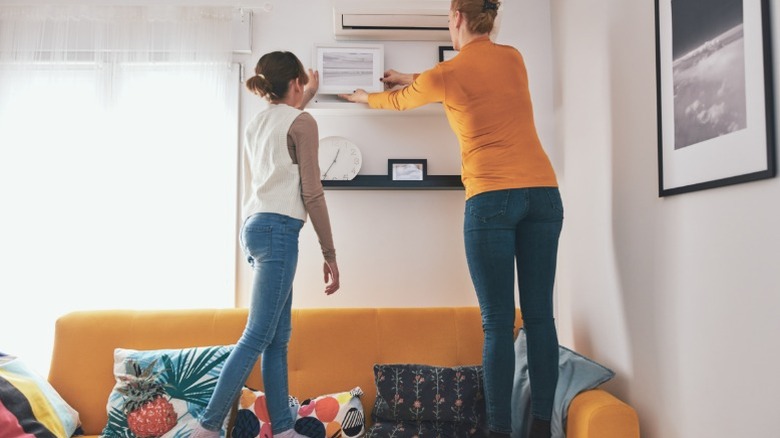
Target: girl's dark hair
<point>273,74</point>
<point>480,14</point>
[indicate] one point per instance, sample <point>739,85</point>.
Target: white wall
<point>395,248</point>
<point>679,295</point>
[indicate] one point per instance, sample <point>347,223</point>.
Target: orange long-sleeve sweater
<point>484,90</point>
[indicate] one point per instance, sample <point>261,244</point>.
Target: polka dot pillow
<point>339,414</point>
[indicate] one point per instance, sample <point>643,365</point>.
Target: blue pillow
<point>576,373</point>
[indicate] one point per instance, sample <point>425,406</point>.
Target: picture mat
<point>345,68</point>
<point>729,155</point>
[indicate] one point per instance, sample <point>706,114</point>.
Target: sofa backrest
<point>331,350</point>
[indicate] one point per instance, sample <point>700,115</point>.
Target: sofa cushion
<point>576,373</point>
<point>29,405</point>
<point>428,398</point>
<point>339,414</point>
<point>161,393</point>
<point>423,429</point>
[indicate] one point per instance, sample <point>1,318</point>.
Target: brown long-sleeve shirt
<point>303,145</point>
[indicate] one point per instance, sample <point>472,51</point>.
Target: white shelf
<point>332,105</point>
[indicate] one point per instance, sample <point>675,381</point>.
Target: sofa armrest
<point>599,414</point>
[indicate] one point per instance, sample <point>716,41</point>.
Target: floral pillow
<point>424,400</point>
<point>161,393</point>
<point>331,415</point>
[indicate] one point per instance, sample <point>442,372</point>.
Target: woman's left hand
<point>358,96</point>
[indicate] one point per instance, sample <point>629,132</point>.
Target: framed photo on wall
<point>344,68</point>
<point>446,53</point>
<point>714,94</point>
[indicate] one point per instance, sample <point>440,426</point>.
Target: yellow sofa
<point>331,350</point>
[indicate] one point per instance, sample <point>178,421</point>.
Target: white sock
<point>201,432</point>
<point>290,433</point>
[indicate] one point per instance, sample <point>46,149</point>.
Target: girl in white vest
<point>281,188</point>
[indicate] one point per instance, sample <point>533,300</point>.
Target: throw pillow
<point>161,393</point>
<point>576,373</point>
<point>426,399</point>
<point>339,414</point>
<point>29,405</point>
<point>423,429</point>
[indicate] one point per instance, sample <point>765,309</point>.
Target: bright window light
<point>118,189</point>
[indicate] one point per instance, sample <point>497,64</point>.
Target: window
<point>118,186</point>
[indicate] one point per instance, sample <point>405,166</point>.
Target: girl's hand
<point>314,83</point>
<point>393,78</point>
<point>358,96</point>
<point>331,270</point>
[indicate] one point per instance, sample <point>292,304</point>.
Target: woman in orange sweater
<point>513,213</point>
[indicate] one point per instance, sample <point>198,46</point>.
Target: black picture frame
<point>407,169</point>
<point>446,53</point>
<point>715,95</point>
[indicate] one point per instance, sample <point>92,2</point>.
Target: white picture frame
<point>343,68</point>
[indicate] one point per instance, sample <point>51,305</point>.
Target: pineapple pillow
<point>161,393</point>
<point>331,415</point>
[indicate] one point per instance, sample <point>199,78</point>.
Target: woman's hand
<point>358,96</point>
<point>331,270</point>
<point>393,78</point>
<point>314,82</point>
<point>311,88</point>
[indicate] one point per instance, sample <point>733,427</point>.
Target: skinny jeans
<point>506,230</point>
<point>270,242</point>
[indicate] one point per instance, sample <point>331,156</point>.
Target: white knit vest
<point>275,180</point>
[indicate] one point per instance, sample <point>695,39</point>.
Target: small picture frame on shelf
<point>446,53</point>
<point>415,169</point>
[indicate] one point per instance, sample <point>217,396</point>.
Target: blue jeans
<point>270,242</point>
<point>502,230</point>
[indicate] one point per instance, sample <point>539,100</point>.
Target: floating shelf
<point>383,182</point>
<point>331,105</point>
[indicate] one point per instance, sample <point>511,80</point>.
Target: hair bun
<point>489,5</point>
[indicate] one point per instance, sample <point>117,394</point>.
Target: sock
<point>201,432</point>
<point>289,433</point>
<point>540,429</point>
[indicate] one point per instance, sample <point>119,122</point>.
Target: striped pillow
<point>29,405</point>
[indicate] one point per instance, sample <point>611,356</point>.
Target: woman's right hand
<point>393,78</point>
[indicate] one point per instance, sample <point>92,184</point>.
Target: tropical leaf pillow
<point>161,393</point>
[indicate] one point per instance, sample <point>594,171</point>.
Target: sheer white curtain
<point>118,164</point>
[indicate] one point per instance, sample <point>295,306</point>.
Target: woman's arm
<point>427,87</point>
<point>303,137</point>
<point>393,78</point>
<point>311,88</point>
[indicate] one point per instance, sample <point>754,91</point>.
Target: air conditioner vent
<point>402,20</point>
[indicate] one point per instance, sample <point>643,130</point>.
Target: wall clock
<point>339,159</point>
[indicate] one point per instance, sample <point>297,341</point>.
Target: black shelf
<point>383,182</point>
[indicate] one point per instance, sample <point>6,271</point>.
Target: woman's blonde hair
<point>480,14</point>
<point>273,73</point>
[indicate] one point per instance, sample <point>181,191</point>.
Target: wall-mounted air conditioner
<point>398,20</point>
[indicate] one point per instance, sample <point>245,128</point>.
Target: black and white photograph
<point>708,70</point>
<point>346,68</point>
<point>407,169</point>
<point>715,105</point>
